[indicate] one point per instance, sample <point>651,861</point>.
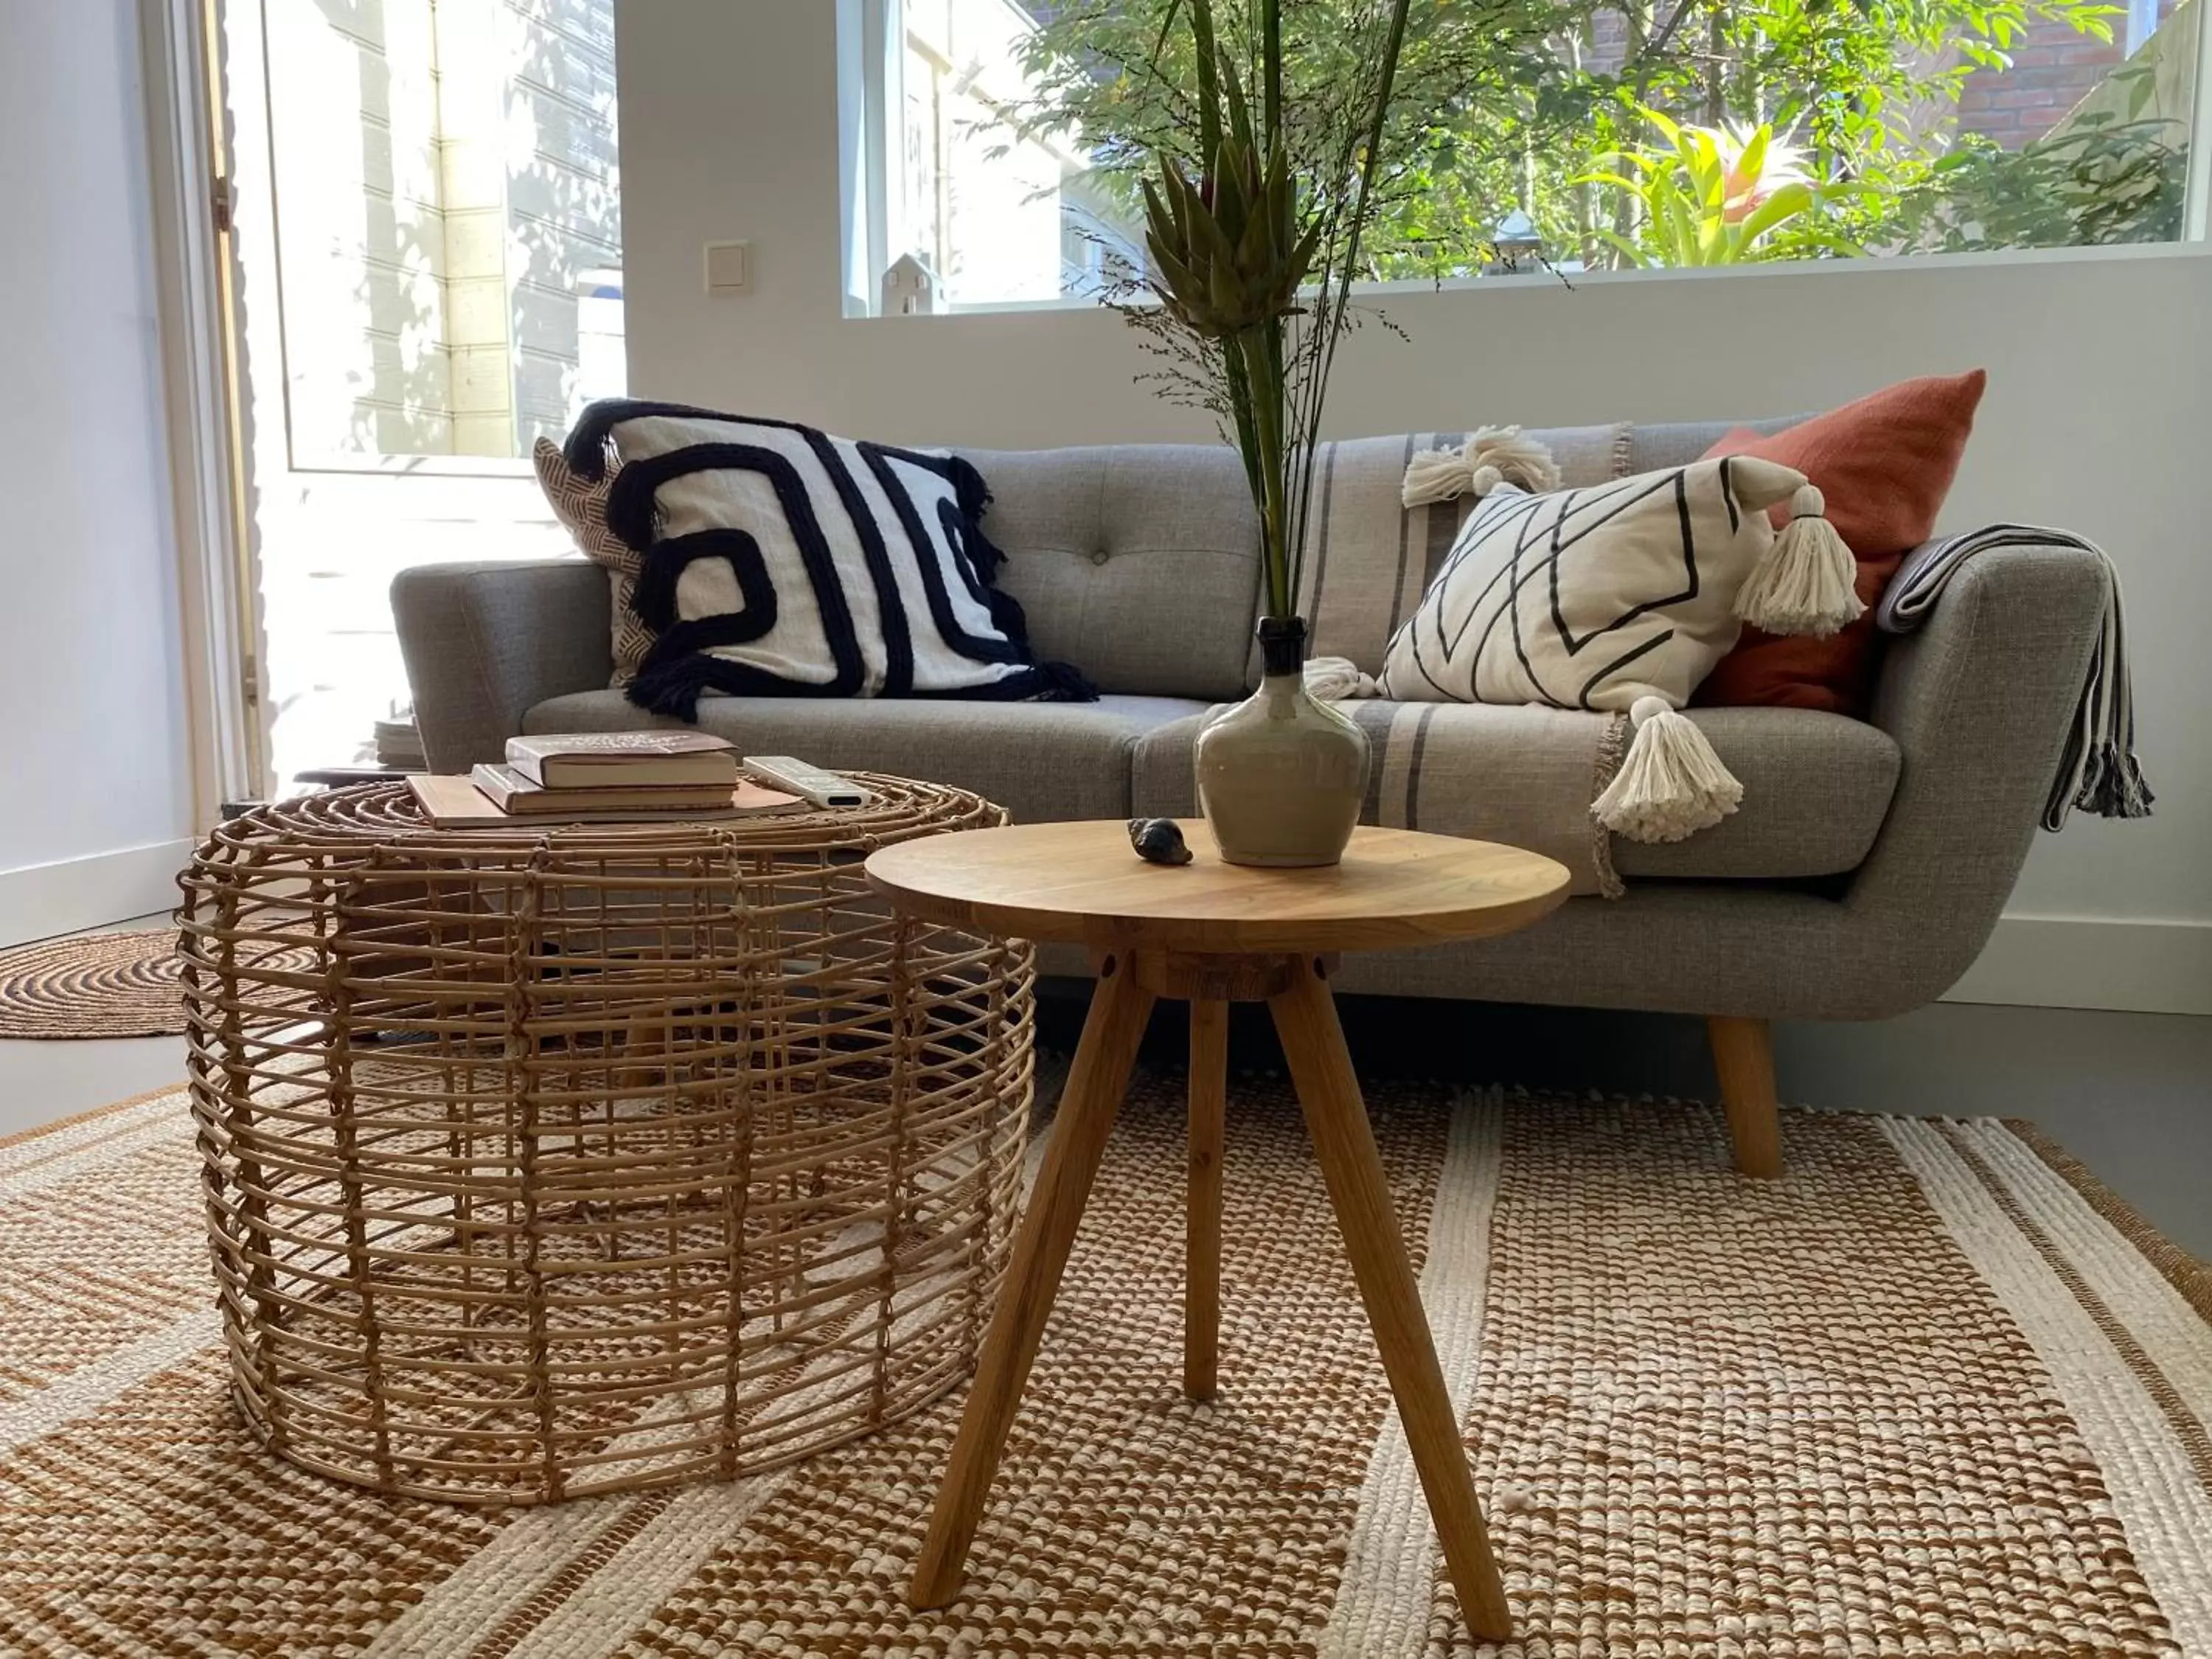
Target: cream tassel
<point>1493,456</point>
<point>1671,785</point>
<point>1803,585</point>
<point>1337,679</point>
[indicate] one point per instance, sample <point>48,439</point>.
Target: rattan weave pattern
<point>553,1161</point>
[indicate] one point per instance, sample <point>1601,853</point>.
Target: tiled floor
<point>40,1082</point>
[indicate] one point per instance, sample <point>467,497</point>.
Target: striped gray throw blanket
<point>2098,771</point>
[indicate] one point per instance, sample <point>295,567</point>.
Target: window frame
<point>871,67</point>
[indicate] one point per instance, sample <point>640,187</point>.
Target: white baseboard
<point>2093,962</point>
<point>42,900</point>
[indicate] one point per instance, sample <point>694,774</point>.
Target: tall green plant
<point>1253,260</point>
<point>1708,196</point>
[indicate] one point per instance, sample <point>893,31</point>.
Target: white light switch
<point>729,267</point>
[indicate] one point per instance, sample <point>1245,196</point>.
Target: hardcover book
<point>587,760</point>
<point>457,802</point>
<point>513,792</point>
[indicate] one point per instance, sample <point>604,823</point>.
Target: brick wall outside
<point>2053,69</point>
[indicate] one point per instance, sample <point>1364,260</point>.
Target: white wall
<point>94,778</point>
<point>2100,388</point>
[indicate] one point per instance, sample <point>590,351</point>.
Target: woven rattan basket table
<point>541,1162</point>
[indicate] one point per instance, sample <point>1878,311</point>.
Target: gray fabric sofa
<point>1862,875</point>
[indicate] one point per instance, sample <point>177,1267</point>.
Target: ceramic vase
<point>1281,775</point>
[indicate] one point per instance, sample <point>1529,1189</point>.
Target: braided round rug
<point>99,985</point>
<point>1932,1392</point>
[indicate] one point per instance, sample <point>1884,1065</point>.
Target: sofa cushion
<point>1593,598</point>
<point>1816,788</point>
<point>1368,558</point>
<point>1139,564</point>
<point>1885,463</point>
<point>1039,760</point>
<point>777,560</point>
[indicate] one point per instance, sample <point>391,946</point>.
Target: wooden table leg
<point>1328,1091</point>
<point>1201,1272</point>
<point>1095,1082</point>
<point>1743,1058</point>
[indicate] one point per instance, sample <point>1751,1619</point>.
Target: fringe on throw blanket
<point>2098,770</point>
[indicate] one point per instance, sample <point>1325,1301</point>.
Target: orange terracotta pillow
<point>1885,463</point>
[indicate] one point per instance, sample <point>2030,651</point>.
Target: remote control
<point>811,782</point>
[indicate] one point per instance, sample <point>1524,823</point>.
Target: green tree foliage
<point>1543,104</point>
<point>1709,196</point>
<point>2105,176</point>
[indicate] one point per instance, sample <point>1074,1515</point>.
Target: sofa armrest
<point>1980,701</point>
<point>485,642</point>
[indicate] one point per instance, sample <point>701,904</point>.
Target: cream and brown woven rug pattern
<point>1931,1393</point>
<point>92,985</point>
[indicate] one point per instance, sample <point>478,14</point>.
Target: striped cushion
<point>1524,776</point>
<point>1368,559</point>
<point>777,560</point>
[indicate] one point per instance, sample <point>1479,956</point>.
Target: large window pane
<point>448,225</point>
<point>1582,134</point>
<point>992,192</point>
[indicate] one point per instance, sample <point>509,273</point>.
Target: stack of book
<point>602,777</point>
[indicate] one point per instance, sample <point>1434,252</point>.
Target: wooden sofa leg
<point>1743,1055</point>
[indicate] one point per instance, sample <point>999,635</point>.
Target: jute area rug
<point>95,985</point>
<point>1932,1393</point>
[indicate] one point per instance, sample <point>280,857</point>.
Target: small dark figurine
<point>1159,840</point>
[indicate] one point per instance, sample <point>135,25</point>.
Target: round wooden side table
<point>1214,933</point>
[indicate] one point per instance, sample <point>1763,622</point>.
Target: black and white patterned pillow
<point>1591,598</point>
<point>581,504</point>
<point>778,561</point>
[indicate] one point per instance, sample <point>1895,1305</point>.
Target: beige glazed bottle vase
<point>1281,775</point>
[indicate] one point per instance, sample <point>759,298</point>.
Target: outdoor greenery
<point>2112,176</point>
<point>1711,197</point>
<point>1633,131</point>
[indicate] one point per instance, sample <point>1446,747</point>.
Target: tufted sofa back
<point>1139,563</point>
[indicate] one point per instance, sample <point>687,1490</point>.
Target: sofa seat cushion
<point>1041,761</point>
<point>1816,787</point>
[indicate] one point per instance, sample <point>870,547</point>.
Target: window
<point>1574,133</point>
<point>427,221</point>
<point>996,208</point>
<point>448,233</point>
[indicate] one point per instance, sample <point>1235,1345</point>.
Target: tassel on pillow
<point>1803,583</point>
<point>1337,679</point>
<point>1493,456</point>
<point>1671,784</point>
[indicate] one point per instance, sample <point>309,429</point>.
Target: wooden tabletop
<point>1081,881</point>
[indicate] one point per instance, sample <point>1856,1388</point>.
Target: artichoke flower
<point>1227,256</point>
